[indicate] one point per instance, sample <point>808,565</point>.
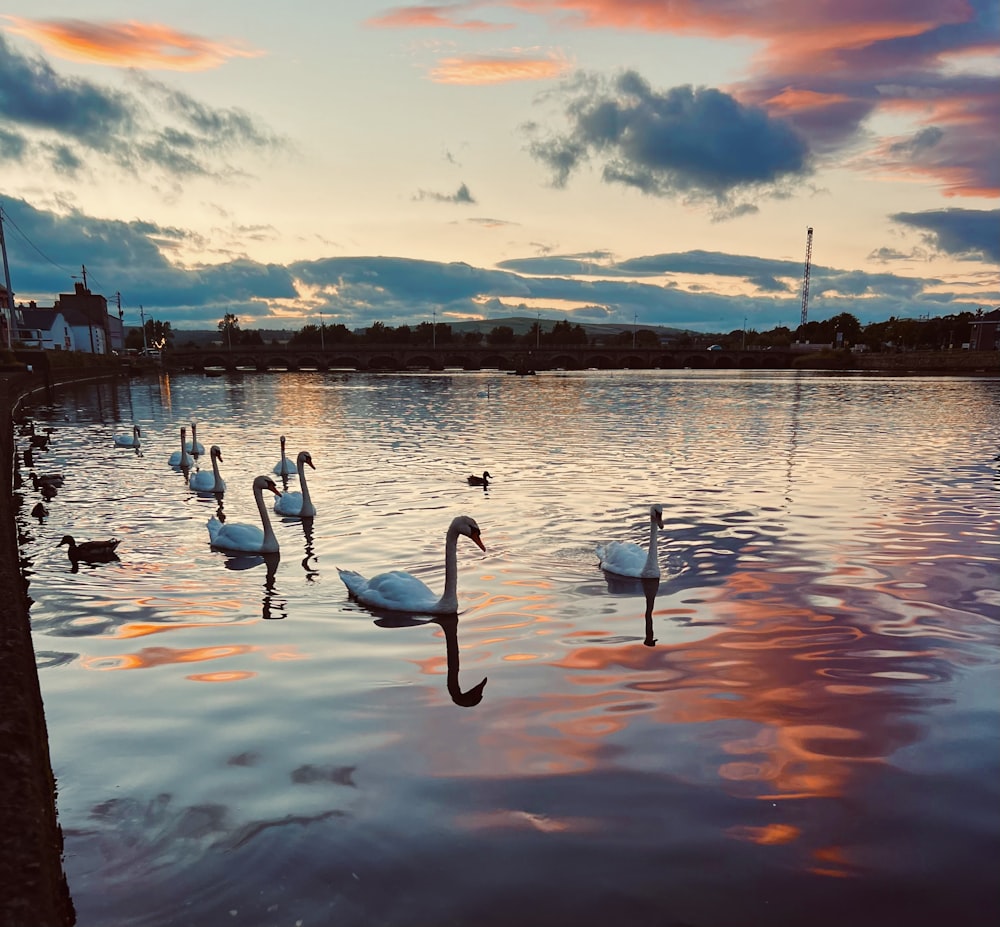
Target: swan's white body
<point>298,504</point>
<point>284,467</point>
<point>194,446</point>
<point>247,539</point>
<point>402,592</point>
<point>131,440</point>
<point>182,458</point>
<point>627,559</point>
<point>203,481</point>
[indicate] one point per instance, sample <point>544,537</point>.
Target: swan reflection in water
<point>449,624</point>
<point>648,587</point>
<point>307,561</point>
<point>272,607</point>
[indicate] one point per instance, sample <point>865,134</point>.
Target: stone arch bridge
<point>385,358</point>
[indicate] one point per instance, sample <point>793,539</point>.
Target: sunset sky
<point>627,161</point>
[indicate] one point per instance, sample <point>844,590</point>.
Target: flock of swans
<point>393,591</point>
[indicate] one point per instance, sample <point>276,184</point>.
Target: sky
<point>634,162</point>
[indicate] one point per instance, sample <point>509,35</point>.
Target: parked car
<point>715,347</point>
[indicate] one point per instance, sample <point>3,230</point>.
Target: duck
<point>205,481</point>
<point>397,591</point>
<point>90,551</point>
<point>627,559</point>
<point>39,511</point>
<point>483,480</point>
<point>47,479</point>
<point>298,504</point>
<point>244,538</point>
<point>284,467</point>
<point>182,458</point>
<point>131,440</point>
<point>194,446</point>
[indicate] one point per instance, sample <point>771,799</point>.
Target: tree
<point>500,335</point>
<point>230,327</point>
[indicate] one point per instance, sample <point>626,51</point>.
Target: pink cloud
<point>128,44</point>
<point>486,69</point>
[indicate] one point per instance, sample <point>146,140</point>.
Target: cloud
<point>151,127</point>
<point>966,233</point>
<point>432,16</point>
<point>498,69</point>
<point>684,142</point>
<point>825,70</point>
<point>128,44</point>
<point>461,195</point>
<point>678,289</point>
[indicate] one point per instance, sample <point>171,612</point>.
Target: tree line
<point>843,330</point>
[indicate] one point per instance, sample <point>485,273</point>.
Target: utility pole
<point>10,294</point>
<point>434,328</point>
<point>538,329</point>
<point>635,322</point>
<point>322,329</point>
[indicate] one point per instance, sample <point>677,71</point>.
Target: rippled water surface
<point>798,726</point>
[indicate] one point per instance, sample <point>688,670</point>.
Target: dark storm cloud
<point>684,141</point>
<point>971,233</point>
<point>154,127</point>
<point>125,257</point>
<point>33,94</point>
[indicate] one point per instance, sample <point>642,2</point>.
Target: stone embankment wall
<point>931,362</point>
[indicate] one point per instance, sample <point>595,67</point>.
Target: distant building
<point>985,332</point>
<point>79,321</point>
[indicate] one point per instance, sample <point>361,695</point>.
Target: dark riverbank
<point>33,889</point>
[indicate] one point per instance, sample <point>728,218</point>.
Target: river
<point>798,724</point>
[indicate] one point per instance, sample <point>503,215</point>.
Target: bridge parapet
<point>382,358</point>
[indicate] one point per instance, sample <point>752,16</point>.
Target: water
<point>799,725</point>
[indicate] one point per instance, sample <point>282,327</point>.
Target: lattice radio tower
<point>805,282</point>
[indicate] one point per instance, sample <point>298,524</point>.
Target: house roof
<point>41,319</point>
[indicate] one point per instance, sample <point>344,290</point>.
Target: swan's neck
<point>651,561</point>
<point>450,597</point>
<point>215,469</point>
<point>306,499</point>
<point>270,542</point>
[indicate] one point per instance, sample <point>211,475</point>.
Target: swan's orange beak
<point>479,541</point>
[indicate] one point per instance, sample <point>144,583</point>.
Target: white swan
<point>182,458</point>
<point>131,440</point>
<point>298,503</point>
<point>627,559</point>
<point>284,467</point>
<point>194,446</point>
<point>203,481</point>
<point>248,539</point>
<point>402,592</point>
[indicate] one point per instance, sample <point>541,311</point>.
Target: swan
<point>194,446</point>
<point>483,480</point>
<point>298,503</point>
<point>248,539</point>
<point>203,481</point>
<point>627,559</point>
<point>402,592</point>
<point>90,551</point>
<point>284,467</point>
<point>131,440</point>
<point>182,458</point>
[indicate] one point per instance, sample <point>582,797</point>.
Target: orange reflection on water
<point>143,628</point>
<point>767,836</point>
<point>231,676</point>
<point>164,656</point>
